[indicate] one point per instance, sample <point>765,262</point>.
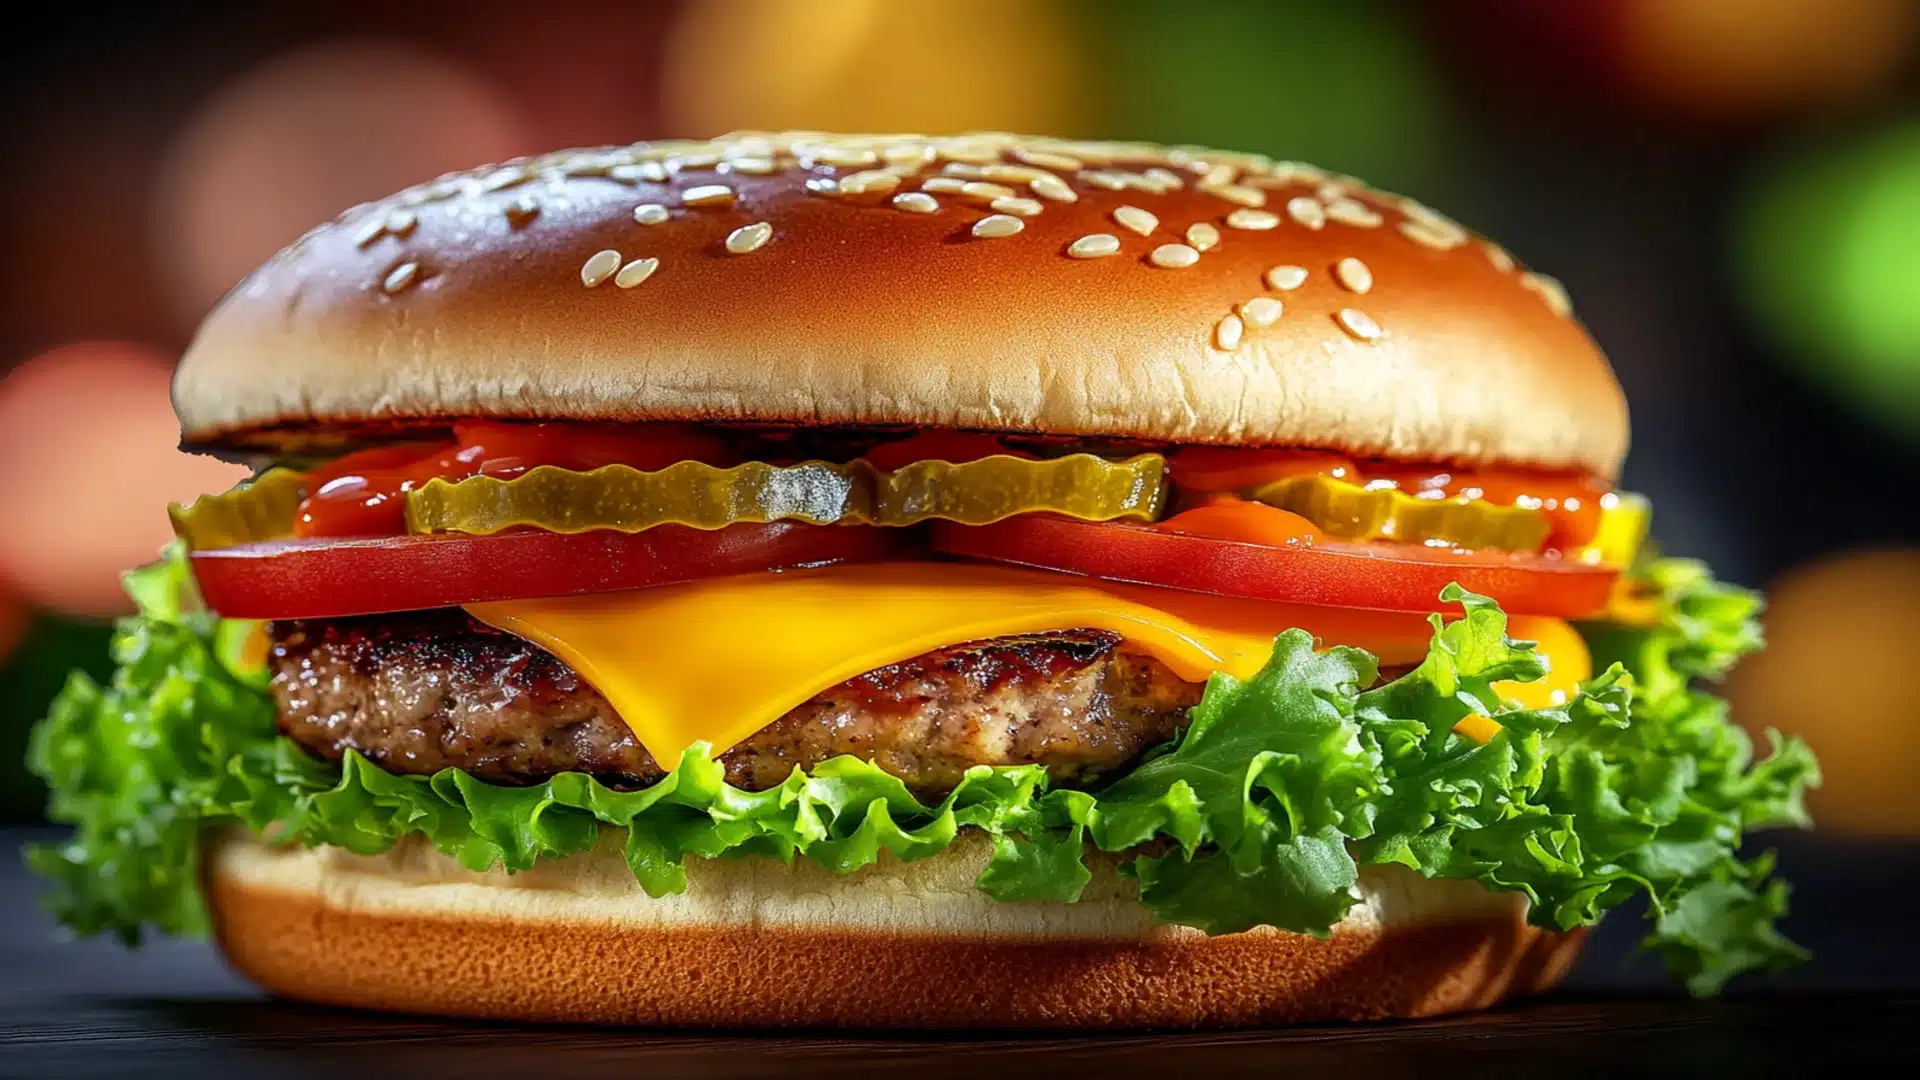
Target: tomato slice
<point>1395,577</point>
<point>329,578</point>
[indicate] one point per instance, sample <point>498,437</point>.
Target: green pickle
<point>260,509</point>
<point>624,499</point>
<point>1352,512</point>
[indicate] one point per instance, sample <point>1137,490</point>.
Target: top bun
<point>901,280</point>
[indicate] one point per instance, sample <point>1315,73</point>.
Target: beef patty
<point>416,693</point>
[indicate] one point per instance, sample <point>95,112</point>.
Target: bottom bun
<point>755,942</point>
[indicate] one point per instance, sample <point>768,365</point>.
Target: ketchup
<point>955,446</point>
<point>1572,501</point>
<point>362,494</point>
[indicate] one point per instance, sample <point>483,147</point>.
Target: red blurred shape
<point>88,463</point>
<point>305,136</point>
<point>1732,61</point>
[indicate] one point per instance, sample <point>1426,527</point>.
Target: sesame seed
<point>1250,197</point>
<point>1217,176</point>
<point>1173,256</point>
<point>1550,290</point>
<point>749,237</point>
<point>869,180</point>
<point>501,179</point>
<point>1202,236</point>
<point>909,154</point>
<point>1296,172</point>
<point>599,267</point>
<point>1307,211</point>
<point>914,202</point>
<point>1101,179</point>
<point>1433,220</point>
<point>440,189</point>
<point>998,225</point>
<point>752,166</point>
<point>1228,332</point>
<point>371,231</point>
<point>1015,205</point>
<point>1012,174</point>
<point>1094,246</point>
<point>1359,324</point>
<point>1052,187</point>
<point>986,189</point>
<point>1287,278</point>
<point>1047,160</point>
<point>651,171</point>
<point>963,170</point>
<point>1164,178</point>
<point>970,150</point>
<point>1355,213</point>
<point>635,272</point>
<point>944,185</point>
<point>683,162</point>
<point>1354,274</point>
<point>1498,256</point>
<point>707,195</point>
<point>1427,236</point>
<point>844,158</point>
<point>1261,310</point>
<point>1252,220</point>
<point>521,210</point>
<point>1140,221</point>
<point>400,277</point>
<point>650,213</point>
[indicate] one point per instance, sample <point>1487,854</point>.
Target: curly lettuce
<point>1261,812</point>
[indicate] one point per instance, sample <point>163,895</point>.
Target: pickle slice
<point>703,496</point>
<point>1352,512</point>
<point>1623,528</point>
<point>260,509</point>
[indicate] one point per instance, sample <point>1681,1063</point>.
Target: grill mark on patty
<point>419,692</point>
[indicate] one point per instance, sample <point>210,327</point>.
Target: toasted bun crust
<point>754,942</point>
<point>467,297</point>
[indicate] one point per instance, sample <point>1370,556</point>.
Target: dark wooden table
<point>172,1009</point>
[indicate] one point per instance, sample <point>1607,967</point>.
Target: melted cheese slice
<point>718,660</point>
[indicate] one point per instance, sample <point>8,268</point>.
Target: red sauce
<point>955,446</point>
<point>362,494</point>
<point>1571,500</point>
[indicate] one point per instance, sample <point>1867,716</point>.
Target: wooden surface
<point>171,1009</point>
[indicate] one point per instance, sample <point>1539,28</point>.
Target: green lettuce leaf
<point>1262,812</point>
<point>1256,794</point>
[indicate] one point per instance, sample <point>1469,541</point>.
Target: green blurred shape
<point>1827,255</point>
<point>29,678</point>
<point>1344,84</point>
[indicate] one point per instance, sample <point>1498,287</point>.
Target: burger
<point>891,580</point>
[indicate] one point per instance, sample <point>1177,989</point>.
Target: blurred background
<point>1730,188</point>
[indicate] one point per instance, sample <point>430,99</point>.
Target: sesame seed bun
<point>989,282</point>
<point>754,942</point>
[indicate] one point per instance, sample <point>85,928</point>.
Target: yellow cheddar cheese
<point>718,660</point>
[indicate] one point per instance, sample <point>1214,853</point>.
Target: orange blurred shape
<point>1735,58</point>
<point>88,463</point>
<point>1841,639</point>
<point>305,136</point>
<point>875,65</point>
